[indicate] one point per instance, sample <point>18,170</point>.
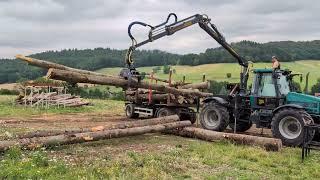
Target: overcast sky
<point>30,26</point>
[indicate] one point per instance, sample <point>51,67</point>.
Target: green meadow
<point>218,71</point>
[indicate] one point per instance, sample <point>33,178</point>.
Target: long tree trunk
<point>31,143</point>
<point>270,144</point>
<point>78,77</point>
<point>48,65</point>
<point>123,125</point>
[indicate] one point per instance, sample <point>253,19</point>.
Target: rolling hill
<point>218,71</point>
<point>94,59</point>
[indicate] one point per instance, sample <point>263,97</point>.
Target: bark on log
<point>202,85</point>
<point>157,79</point>
<point>138,123</point>
<point>145,97</point>
<point>78,77</point>
<point>270,144</point>
<point>32,143</point>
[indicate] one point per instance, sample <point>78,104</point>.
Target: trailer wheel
<point>214,116</point>
<point>130,111</point>
<point>164,112</point>
<point>287,125</point>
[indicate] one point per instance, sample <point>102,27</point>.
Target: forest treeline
<point>94,59</point>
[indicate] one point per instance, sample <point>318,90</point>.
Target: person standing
<point>275,63</point>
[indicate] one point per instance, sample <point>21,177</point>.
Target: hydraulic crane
<point>166,29</point>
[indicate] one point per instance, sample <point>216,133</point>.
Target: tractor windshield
<point>264,85</point>
<point>283,85</point>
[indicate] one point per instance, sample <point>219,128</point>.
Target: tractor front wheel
<point>287,124</point>
<point>214,116</point>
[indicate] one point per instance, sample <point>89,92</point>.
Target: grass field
<point>218,71</point>
<point>9,109</point>
<point>150,156</point>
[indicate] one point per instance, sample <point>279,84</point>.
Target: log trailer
<point>270,103</point>
<point>156,108</point>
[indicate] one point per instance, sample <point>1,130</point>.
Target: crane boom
<point>167,29</point>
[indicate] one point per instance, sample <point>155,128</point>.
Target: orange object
<point>97,128</point>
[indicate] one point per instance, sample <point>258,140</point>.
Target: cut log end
<point>48,76</point>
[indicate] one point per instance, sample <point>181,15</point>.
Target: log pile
<point>96,133</point>
<point>168,124</point>
<point>52,99</point>
<point>142,95</point>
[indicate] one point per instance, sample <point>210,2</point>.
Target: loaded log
<point>78,77</point>
<point>48,65</point>
<point>202,85</point>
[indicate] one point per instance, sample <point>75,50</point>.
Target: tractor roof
<point>263,70</point>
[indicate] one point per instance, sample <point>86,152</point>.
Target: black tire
<point>193,117</point>
<point>287,124</point>
<point>164,112</point>
<point>214,116</point>
<point>241,126</point>
<point>187,114</point>
<point>316,136</point>
<point>130,111</point>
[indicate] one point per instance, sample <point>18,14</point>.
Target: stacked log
<point>155,97</point>
<point>52,99</point>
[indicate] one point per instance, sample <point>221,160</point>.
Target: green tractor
<point>270,103</point>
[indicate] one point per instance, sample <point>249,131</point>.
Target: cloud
<point>32,26</point>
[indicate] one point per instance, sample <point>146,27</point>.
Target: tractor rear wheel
<point>214,116</point>
<point>130,111</point>
<point>287,124</point>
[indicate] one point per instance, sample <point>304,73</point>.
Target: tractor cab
<point>269,89</point>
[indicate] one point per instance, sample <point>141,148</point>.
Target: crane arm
<point>166,29</point>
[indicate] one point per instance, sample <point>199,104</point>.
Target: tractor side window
<point>283,85</point>
<point>266,86</point>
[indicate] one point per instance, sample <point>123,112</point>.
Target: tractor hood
<point>310,103</point>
